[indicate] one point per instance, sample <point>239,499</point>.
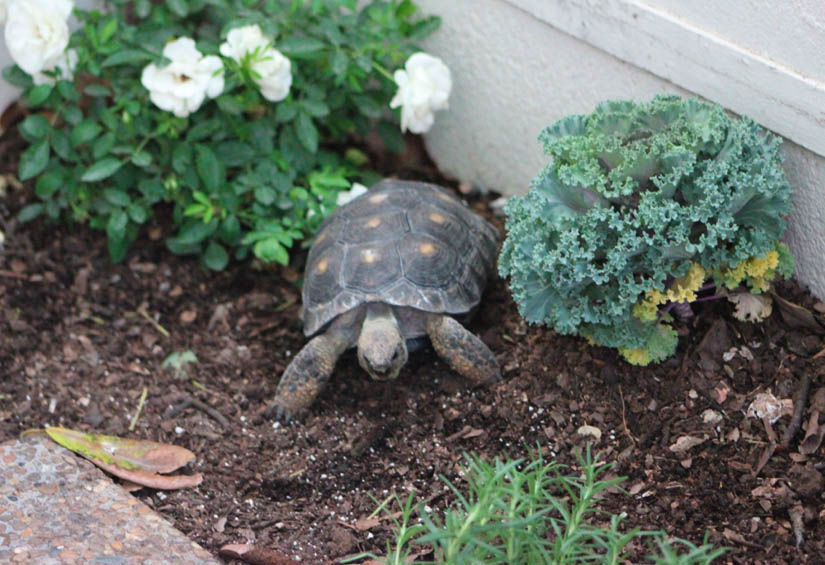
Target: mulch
<point>82,338</point>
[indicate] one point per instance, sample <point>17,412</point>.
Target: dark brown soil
<point>82,338</point>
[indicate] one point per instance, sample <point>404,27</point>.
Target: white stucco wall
<point>789,31</point>
<point>515,74</point>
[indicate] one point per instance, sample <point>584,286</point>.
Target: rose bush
<point>238,115</point>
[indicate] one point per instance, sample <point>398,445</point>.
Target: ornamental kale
<point>644,209</point>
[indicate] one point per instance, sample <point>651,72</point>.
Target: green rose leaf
<point>85,131</point>
<point>300,45</point>
<point>116,226</point>
<point>125,57</point>
<point>196,232</point>
<point>307,132</point>
<point>48,183</point>
<point>35,127</point>
<point>215,257</point>
<point>102,169</point>
<point>103,144</point>
<point>141,159</point>
<point>117,197</point>
<point>209,168</point>
<point>30,212</point>
<point>39,94</point>
<point>33,160</point>
<point>179,7</point>
<point>271,250</point>
<point>97,90</point>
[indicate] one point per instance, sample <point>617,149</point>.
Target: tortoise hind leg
<point>465,353</point>
<point>306,375</point>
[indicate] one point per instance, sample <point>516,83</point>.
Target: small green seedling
<point>178,362</point>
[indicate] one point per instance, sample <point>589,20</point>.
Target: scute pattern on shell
<point>404,243</point>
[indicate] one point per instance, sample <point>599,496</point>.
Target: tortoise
<point>387,270</point>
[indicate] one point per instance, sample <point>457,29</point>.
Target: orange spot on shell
<point>437,218</point>
<point>322,265</point>
<point>377,198</point>
<point>374,223</point>
<point>446,197</point>
<point>427,248</point>
<point>369,256</point>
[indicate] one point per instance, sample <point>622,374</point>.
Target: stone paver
<point>57,508</point>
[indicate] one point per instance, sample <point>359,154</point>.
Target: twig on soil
<point>819,354</point>
<point>796,512</point>
<point>798,410</point>
<point>163,331</point>
<point>141,402</point>
<point>186,401</point>
<point>624,420</point>
<point>259,555</point>
<point>13,275</point>
<point>769,451</point>
<point>683,364</point>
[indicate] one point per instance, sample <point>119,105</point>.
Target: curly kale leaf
<point>635,194</point>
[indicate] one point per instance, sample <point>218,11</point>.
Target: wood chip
<point>188,316</point>
<point>684,443</point>
<point>255,554</point>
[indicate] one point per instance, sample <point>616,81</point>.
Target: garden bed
<point>83,337</point>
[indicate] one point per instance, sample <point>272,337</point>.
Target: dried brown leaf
<point>147,456</point>
<point>255,554</point>
<point>766,405</point>
<point>751,307</point>
<point>813,435</point>
<point>152,480</point>
<point>188,316</point>
<point>684,443</point>
<point>797,316</point>
<point>365,524</point>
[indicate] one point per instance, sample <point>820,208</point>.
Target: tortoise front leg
<point>306,375</point>
<point>465,353</point>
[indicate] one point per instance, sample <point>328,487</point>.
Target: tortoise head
<point>382,350</point>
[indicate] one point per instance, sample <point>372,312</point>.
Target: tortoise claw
<point>283,414</point>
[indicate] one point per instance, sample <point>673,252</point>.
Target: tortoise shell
<point>407,244</point>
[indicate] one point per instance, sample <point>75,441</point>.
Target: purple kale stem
<point>682,310</point>
<point>711,297</point>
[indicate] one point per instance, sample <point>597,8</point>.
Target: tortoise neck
<point>379,323</point>
<point>379,314</point>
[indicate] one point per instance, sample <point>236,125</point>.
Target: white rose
<point>273,70</point>
<point>423,88</point>
<point>181,86</point>
<point>37,33</point>
<point>347,196</point>
<point>344,197</point>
